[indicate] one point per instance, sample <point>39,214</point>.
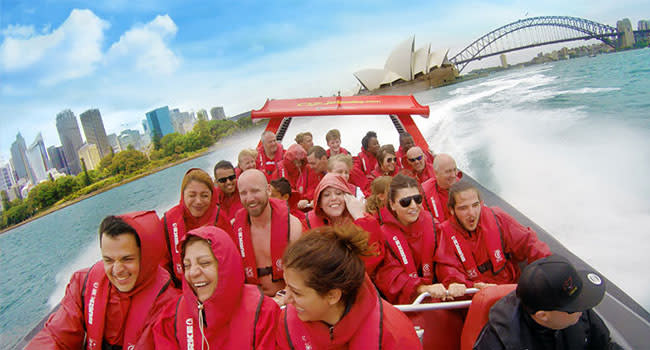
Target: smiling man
<point>481,245</point>
<point>114,303</point>
<point>262,230</point>
<point>228,201</point>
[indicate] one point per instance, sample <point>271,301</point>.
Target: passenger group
<point>308,248</point>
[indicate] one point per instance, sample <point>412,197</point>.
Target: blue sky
<point>128,57</point>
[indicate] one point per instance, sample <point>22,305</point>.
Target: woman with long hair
<point>334,204</point>
<point>386,162</point>
<point>216,308</point>
<point>332,304</point>
<point>197,208</point>
<point>377,199</point>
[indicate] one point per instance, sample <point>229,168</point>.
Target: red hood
<point>220,307</point>
<point>190,221</point>
<point>330,180</point>
<point>408,231</point>
<point>294,152</point>
<point>150,230</point>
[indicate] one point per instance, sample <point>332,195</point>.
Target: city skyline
<point>126,59</point>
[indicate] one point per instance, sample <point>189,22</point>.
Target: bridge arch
<point>576,29</point>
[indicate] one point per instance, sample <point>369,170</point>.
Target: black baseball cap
<point>553,284</point>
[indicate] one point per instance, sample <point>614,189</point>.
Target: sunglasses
<point>227,178</point>
<point>406,201</point>
<point>414,159</point>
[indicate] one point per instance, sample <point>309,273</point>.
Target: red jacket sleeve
<point>148,338</point>
<point>393,281</point>
<point>521,242</point>
<point>399,332</point>
<point>265,329</point>
<point>65,327</point>
<point>281,341</point>
<point>164,329</point>
<point>375,238</point>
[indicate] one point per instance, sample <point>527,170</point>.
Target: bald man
<point>420,169</point>
<point>269,154</point>
<point>436,189</point>
<point>262,230</point>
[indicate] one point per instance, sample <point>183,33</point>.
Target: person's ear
<point>333,296</point>
<point>285,197</point>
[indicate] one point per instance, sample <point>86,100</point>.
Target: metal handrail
<point>445,305</point>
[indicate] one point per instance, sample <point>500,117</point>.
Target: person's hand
<point>481,285</point>
<point>280,297</point>
<point>456,290</point>
<point>304,204</point>
<point>437,291</point>
<point>355,207</point>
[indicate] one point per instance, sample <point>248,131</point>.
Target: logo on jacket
<point>472,273</point>
<point>249,271</point>
<point>91,302</point>
<point>175,229</point>
<point>401,250</point>
<point>240,237</point>
<point>498,256</point>
<point>307,344</point>
<point>190,333</point>
<point>92,344</point>
<point>426,268</point>
<point>278,264</point>
<point>460,251</point>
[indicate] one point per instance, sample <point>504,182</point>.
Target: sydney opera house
<point>407,70</point>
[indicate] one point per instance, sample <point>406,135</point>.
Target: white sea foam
<point>88,256</point>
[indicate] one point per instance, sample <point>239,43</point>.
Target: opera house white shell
<point>403,64</point>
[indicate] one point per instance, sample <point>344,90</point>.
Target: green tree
<point>86,177</point>
<point>155,139</point>
<point>105,163</point>
<point>128,161</point>
<point>172,144</point>
<point>5,201</point>
<point>65,185</point>
<point>245,122</point>
<point>20,212</point>
<point>43,195</point>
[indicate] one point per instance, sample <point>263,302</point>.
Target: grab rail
<point>445,305</point>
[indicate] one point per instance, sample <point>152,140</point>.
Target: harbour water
<point>566,143</point>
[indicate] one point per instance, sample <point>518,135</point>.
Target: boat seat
<point>478,313</point>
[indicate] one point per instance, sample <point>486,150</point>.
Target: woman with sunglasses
<point>386,162</point>
<point>408,267</point>
<point>335,205</point>
<point>216,310</point>
<point>332,304</point>
<point>197,208</point>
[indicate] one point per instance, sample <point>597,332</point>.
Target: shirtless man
<point>262,231</point>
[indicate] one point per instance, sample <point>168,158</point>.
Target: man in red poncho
<point>269,154</point>
<point>114,303</point>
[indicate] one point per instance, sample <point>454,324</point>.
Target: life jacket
<point>434,203</point>
<point>368,335</point>
<point>227,205</point>
<point>175,231</point>
<point>366,161</point>
<point>266,164</point>
<point>492,240</point>
<point>280,233</point>
<point>152,281</point>
<point>399,246</point>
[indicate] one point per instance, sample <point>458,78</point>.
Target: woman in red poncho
<point>386,163</point>
<point>216,310</point>
<point>197,207</point>
<point>332,303</point>
<point>335,205</point>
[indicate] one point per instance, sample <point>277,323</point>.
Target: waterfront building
<point>57,158</point>
<point>38,160</point>
<point>114,143</point>
<point>130,137</point>
<point>159,122</point>
<point>183,122</point>
<point>202,114</point>
<point>217,113</point>
<point>504,60</point>
<point>70,136</point>
<point>91,121</point>
<point>19,158</point>
<point>89,152</point>
<point>626,39</point>
<point>6,177</point>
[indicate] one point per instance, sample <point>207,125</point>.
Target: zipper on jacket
<point>331,333</point>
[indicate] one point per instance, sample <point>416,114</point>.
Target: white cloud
<point>70,51</point>
<point>18,31</point>
<point>145,47</point>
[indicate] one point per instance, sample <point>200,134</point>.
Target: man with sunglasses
<point>480,245</point>
<point>228,201</point>
<point>420,169</point>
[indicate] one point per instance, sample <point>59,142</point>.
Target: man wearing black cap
<point>551,309</point>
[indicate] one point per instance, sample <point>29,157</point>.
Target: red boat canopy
<point>398,108</point>
<point>341,105</point>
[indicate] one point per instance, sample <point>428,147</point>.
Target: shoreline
<point>107,188</point>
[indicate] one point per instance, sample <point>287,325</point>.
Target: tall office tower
<point>159,122</point>
<point>114,142</point>
<point>217,113</point>
<point>70,136</point>
<point>6,177</point>
<point>89,152</point>
<point>130,137</point>
<point>38,159</point>
<point>19,159</point>
<point>91,121</point>
<point>57,158</point>
<point>183,122</point>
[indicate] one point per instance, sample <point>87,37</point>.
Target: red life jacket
<point>365,161</point>
<point>492,240</point>
<point>394,235</point>
<point>266,164</point>
<point>152,281</point>
<point>434,202</point>
<point>175,231</point>
<point>280,233</point>
<point>227,204</point>
<point>367,335</point>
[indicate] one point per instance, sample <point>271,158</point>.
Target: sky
<point>129,57</point>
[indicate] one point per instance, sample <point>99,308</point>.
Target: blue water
<point>566,143</point>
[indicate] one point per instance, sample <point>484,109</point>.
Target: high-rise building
<point>130,137</point>
<point>159,122</point>
<point>217,113</point>
<point>57,158</point>
<point>38,159</point>
<point>183,122</point>
<point>91,121</point>
<point>6,178</point>
<point>70,136</point>
<point>115,143</point>
<point>89,152</point>
<point>19,158</point>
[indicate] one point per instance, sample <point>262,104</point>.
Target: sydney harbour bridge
<point>539,31</point>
